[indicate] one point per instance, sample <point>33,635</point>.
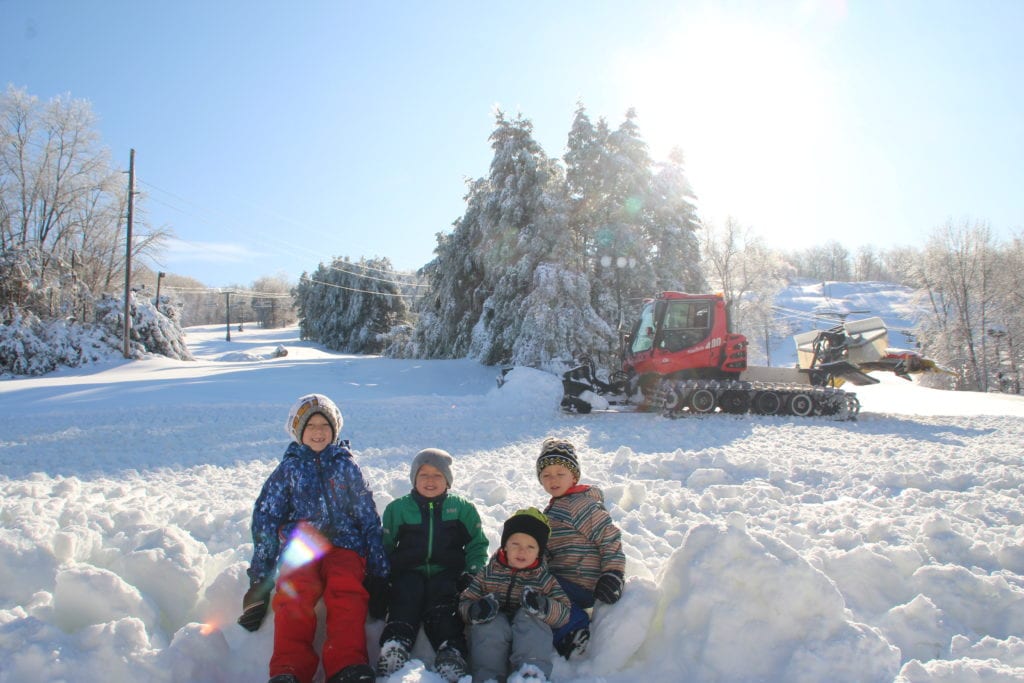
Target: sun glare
<point>749,105</point>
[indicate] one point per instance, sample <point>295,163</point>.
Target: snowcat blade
<point>848,372</point>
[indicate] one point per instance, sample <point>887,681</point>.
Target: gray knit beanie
<point>432,456</point>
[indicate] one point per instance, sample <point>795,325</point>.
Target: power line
<point>361,291</point>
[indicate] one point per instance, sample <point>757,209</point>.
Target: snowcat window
<point>687,323</point>
<point>644,338</point>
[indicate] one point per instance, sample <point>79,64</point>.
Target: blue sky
<point>272,136</point>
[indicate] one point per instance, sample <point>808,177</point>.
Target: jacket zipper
<point>325,496</point>
<point>430,535</point>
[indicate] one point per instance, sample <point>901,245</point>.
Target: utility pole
<point>128,255</point>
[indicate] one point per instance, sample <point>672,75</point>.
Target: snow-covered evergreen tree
<point>350,306</point>
<point>151,331</point>
<point>547,262</point>
<point>454,303</point>
<point>672,227</point>
<point>30,345</point>
<point>524,223</point>
<point>621,256</point>
<point>559,324</point>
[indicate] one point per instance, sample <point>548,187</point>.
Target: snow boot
<point>395,647</point>
<point>393,656</point>
<point>528,673</point>
<point>355,673</point>
<point>449,664</point>
<point>573,643</point>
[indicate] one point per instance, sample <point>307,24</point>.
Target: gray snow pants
<point>502,646</point>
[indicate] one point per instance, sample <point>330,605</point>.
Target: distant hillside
<point>811,304</point>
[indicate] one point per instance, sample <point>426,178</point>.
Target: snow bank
<point>758,548</point>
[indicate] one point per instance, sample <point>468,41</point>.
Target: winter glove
<point>463,581</point>
<point>609,588</point>
<point>535,602</point>
<point>255,604</point>
<point>379,589</point>
<point>483,610</point>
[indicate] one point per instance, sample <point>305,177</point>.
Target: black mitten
<point>255,604</point>
<point>379,588</point>
<point>483,610</point>
<point>535,602</point>
<point>462,583</point>
<point>609,588</point>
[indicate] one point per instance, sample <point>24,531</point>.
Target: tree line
<point>548,260</point>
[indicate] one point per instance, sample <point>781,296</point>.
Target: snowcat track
<point>676,398</point>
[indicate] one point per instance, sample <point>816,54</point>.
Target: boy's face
<point>556,480</point>
<point>317,433</point>
<point>521,550</point>
<point>430,481</point>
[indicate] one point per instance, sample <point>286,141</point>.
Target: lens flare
<point>304,545</point>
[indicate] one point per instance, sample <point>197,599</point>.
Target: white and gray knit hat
<point>432,456</point>
<point>308,406</point>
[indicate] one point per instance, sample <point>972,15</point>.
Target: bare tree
<point>957,276</point>
<point>61,202</point>
<point>749,276</point>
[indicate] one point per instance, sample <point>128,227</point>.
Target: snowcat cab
<point>685,334</point>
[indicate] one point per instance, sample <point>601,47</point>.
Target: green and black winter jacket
<point>431,535</point>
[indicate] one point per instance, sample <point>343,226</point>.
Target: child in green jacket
<point>435,543</point>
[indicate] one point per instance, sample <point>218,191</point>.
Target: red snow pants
<point>338,578</point>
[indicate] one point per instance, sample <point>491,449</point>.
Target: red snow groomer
<point>681,357</point>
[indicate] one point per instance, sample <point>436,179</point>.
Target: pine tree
<point>622,270</point>
<point>672,229</point>
<point>350,306</point>
<point>525,223</point>
<point>454,303</point>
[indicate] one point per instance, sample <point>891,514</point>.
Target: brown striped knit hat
<point>555,451</point>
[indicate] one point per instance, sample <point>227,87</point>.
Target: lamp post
<point>618,262</point>
<point>998,333</point>
<point>159,276</point>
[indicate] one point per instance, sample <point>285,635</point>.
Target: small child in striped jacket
<point>585,549</point>
<point>513,604</point>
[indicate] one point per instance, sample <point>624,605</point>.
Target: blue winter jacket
<point>325,490</point>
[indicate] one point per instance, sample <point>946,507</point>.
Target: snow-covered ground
<point>760,548</point>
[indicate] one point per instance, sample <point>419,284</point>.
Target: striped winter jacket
<point>325,490</point>
<point>584,542</point>
<point>506,584</point>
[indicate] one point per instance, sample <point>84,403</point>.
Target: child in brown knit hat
<point>585,548</point>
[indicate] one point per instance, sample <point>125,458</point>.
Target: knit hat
<point>432,456</point>
<point>308,406</point>
<point>556,451</point>
<point>530,521</point>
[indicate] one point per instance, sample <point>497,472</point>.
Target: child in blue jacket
<point>315,527</point>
